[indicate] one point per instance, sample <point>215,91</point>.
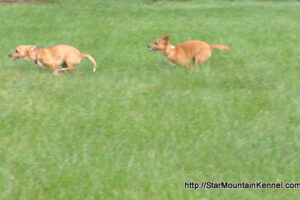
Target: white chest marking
<point>40,64</point>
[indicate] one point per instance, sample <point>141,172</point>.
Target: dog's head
<point>159,44</point>
<point>22,52</point>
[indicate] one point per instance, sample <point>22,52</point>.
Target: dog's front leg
<point>54,69</point>
<point>62,70</point>
<point>38,65</point>
<point>187,66</point>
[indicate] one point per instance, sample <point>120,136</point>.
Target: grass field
<point>140,128</point>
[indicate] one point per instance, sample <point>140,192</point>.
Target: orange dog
<point>183,53</point>
<point>60,55</point>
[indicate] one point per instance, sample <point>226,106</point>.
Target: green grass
<point>139,128</point>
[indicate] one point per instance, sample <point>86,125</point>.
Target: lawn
<point>140,128</point>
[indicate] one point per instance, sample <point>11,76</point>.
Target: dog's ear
<point>165,37</point>
<point>31,47</point>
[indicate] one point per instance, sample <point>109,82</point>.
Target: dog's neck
<point>34,54</point>
<point>168,50</point>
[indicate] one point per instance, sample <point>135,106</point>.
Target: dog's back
<point>62,51</point>
<point>192,47</point>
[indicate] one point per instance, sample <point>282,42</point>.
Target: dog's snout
<point>9,55</point>
<point>148,45</point>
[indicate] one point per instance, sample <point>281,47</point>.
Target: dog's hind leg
<point>68,67</point>
<point>197,62</point>
<point>201,58</point>
<point>64,65</point>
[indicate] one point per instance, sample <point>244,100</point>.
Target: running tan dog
<point>60,55</point>
<point>183,53</point>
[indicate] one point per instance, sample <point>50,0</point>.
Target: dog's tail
<point>221,47</point>
<point>91,59</point>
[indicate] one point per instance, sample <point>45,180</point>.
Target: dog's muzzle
<point>14,58</point>
<point>152,49</point>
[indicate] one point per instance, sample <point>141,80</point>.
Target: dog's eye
<point>17,51</point>
<point>155,43</point>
